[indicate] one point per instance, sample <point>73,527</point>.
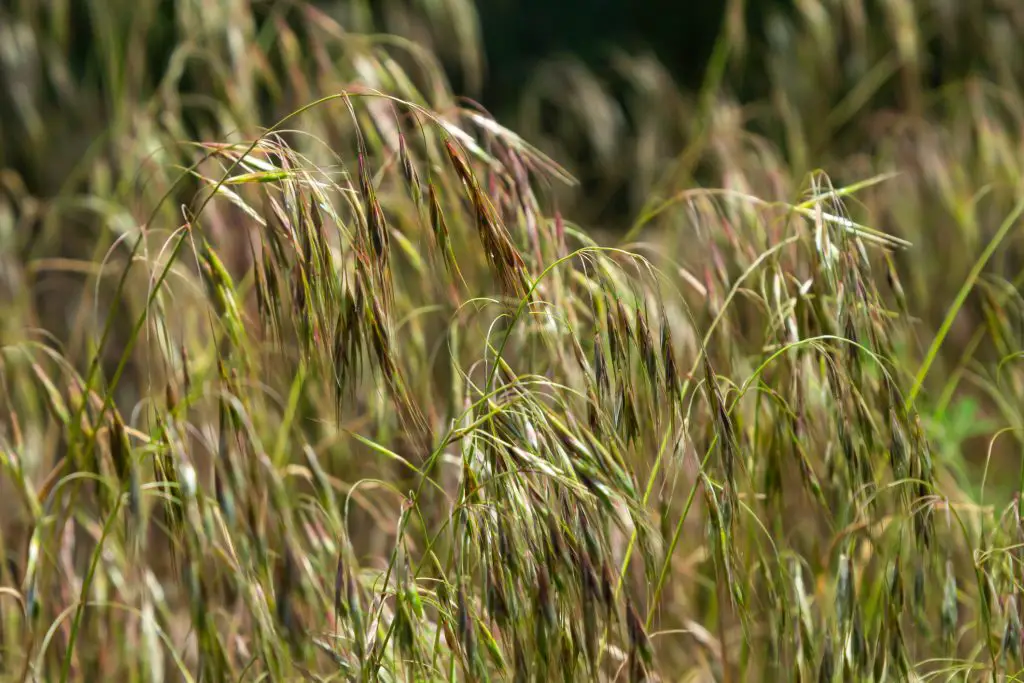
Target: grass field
<point>312,370</point>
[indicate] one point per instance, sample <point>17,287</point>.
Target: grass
<point>361,394</point>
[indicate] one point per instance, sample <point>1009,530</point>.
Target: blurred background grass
<point>635,101</point>
<point>644,103</point>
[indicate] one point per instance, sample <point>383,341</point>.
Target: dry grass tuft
<point>348,397</point>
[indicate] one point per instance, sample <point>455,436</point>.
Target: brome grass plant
<point>351,396</point>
